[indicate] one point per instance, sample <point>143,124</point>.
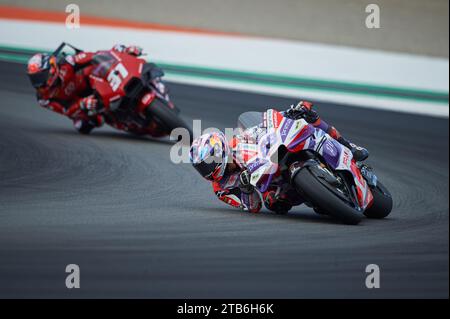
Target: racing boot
<point>359,153</point>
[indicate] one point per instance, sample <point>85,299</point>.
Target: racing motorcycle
<point>132,95</point>
<point>320,169</point>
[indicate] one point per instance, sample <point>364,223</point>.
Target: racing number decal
<point>116,76</point>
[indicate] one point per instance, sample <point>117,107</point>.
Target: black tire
<point>167,118</point>
<point>320,196</point>
<point>319,211</point>
<point>382,203</point>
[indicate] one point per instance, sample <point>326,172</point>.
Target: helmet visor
<point>208,168</point>
<point>39,79</point>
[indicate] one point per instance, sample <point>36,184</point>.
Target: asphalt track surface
<point>140,226</point>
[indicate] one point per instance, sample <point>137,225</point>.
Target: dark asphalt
<point>141,226</point>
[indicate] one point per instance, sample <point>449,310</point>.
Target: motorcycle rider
<point>62,85</point>
<point>216,160</point>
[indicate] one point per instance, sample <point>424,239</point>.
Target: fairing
<point>296,136</point>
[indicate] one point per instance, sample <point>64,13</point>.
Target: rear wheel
<point>306,182</point>
<point>167,118</point>
<point>382,202</point>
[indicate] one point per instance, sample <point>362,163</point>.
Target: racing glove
<point>303,110</point>
<point>306,109</point>
<point>131,50</point>
<point>89,105</point>
<point>134,50</point>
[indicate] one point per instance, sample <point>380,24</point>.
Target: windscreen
<point>250,119</point>
<point>103,61</point>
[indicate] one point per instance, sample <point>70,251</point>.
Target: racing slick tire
<point>167,118</point>
<point>382,202</point>
<point>320,196</point>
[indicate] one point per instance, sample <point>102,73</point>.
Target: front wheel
<point>307,184</point>
<point>382,202</point>
<point>167,118</point>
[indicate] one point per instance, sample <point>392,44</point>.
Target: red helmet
<point>42,70</point>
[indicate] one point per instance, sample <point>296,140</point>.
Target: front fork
<point>336,180</point>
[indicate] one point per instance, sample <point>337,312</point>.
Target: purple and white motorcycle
<point>318,167</point>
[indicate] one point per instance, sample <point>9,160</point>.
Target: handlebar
<point>295,113</point>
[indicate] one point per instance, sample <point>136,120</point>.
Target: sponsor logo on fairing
<point>330,148</point>
<point>345,157</point>
<point>253,166</point>
<point>285,129</point>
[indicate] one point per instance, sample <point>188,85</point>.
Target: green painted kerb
<point>21,55</point>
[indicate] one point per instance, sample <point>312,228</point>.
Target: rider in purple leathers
<point>216,160</point>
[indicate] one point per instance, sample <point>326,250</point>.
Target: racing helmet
<point>42,70</point>
<point>209,155</point>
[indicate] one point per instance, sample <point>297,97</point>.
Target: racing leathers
<point>71,95</point>
<point>234,188</point>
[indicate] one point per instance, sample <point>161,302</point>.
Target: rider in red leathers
<point>63,86</point>
<point>218,160</point>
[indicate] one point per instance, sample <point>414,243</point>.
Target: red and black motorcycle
<point>132,95</point>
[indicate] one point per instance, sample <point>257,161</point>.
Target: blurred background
<point>411,26</point>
